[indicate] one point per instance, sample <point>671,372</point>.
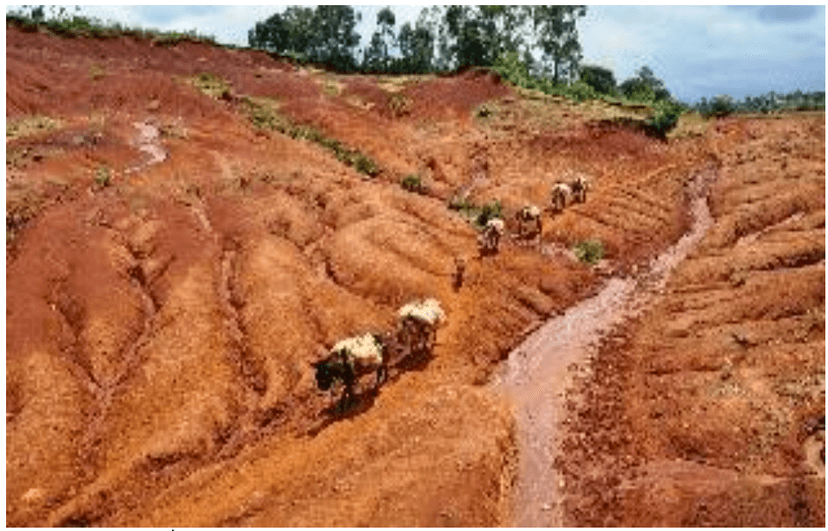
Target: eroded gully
<point>535,376</point>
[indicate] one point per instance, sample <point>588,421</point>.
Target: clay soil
<point>172,271</point>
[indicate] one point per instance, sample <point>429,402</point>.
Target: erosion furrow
<point>252,373</point>
<point>536,373</point>
<point>626,204</point>
<point>68,312</point>
<point>612,223</point>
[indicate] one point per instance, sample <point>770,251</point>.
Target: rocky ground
<point>174,266</point>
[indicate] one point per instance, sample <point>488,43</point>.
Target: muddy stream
<point>535,376</point>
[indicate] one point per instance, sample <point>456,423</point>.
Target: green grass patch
<point>263,114</point>
<point>412,183</point>
<point>589,251</point>
<point>103,177</point>
<point>477,215</point>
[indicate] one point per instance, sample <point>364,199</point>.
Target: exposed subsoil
<point>708,408</point>
<point>161,323</point>
<point>537,373</point>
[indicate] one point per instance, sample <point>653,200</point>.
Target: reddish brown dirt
<point>160,327</point>
<point>709,409</point>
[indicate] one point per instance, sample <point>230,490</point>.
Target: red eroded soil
<point>709,408</point>
<point>162,315</point>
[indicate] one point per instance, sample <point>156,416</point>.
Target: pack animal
<point>560,195</point>
<point>417,328</point>
<point>488,240</point>
<point>529,221</point>
<point>348,360</point>
<point>579,189</point>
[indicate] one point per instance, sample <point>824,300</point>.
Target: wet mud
<point>538,372</point>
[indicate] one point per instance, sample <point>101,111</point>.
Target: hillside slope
<point>175,263</point>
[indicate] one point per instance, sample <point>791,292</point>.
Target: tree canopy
<point>599,78</point>
<point>443,38</point>
<point>322,35</point>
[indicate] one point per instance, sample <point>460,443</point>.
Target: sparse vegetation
<point>331,87</point>
<point>400,105</point>
<point>412,183</point>
<point>212,85</point>
<point>29,125</point>
<point>485,110</point>
<point>478,215</point>
<point>262,112</point>
<point>103,177</point>
<point>489,211</point>
<point>589,251</point>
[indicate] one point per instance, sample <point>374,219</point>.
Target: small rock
<point>32,495</point>
<point>546,507</point>
<point>154,105</point>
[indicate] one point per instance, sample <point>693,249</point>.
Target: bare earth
<point>161,324</point>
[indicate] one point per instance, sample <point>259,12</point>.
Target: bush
<point>589,251</point>
<point>580,91</point>
<point>103,177</point>
<point>720,106</point>
<point>412,183</point>
<point>461,204</point>
<point>511,68</point>
<point>489,211</point>
<point>363,164</point>
<point>665,118</point>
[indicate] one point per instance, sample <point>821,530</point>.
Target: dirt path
<point>536,375</point>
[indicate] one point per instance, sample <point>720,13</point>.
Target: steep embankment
<point>162,311</point>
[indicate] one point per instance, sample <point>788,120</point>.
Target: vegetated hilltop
<point>189,226</point>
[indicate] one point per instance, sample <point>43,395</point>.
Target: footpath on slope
<point>537,373</point>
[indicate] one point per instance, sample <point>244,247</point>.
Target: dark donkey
<point>349,360</point>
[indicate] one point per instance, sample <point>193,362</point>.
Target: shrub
<point>580,91</point>
<point>489,211</point>
<point>485,110</point>
<point>589,251</point>
<point>412,183</point>
<point>103,177</point>
<point>720,106</point>
<point>665,118</point>
<point>364,164</point>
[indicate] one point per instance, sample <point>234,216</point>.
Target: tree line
<point>444,38</point>
<point>797,100</point>
<point>535,47</point>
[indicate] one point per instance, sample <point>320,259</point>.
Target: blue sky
<point>697,50</point>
